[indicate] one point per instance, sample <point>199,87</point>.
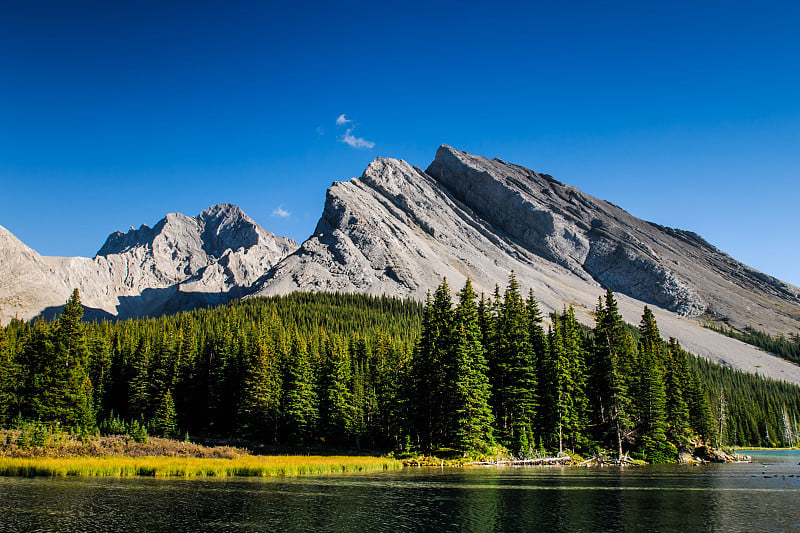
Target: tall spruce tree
<point>613,360</point>
<point>139,397</point>
<point>675,382</point>
<point>299,403</point>
<point>72,380</point>
<point>562,384</point>
<point>473,416</point>
<point>433,370</point>
<point>259,407</point>
<point>700,419</point>
<point>573,379</point>
<point>651,395</point>
<point>515,402</point>
<point>165,418</point>
<point>9,378</point>
<point>99,368</point>
<point>337,408</point>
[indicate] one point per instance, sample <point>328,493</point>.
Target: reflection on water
<point>763,496</point>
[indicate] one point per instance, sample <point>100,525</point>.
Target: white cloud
<point>356,142</point>
<point>342,120</point>
<point>320,130</point>
<point>281,212</point>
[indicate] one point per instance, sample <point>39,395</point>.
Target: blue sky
<point>115,113</point>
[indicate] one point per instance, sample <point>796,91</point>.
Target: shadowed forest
<point>461,373</point>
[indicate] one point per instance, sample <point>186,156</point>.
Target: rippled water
<point>762,496</point>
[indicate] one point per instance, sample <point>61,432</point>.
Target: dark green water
<point>762,496</point>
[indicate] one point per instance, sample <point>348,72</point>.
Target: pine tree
<point>552,396</point>
<point>139,396</point>
<point>99,368</point>
<point>473,415</point>
<point>573,378</point>
<point>697,403</point>
<point>515,402</point>
<point>338,410</point>
<point>299,398</point>
<point>651,395</point>
<point>259,407</point>
<point>9,378</point>
<point>675,381</point>
<point>433,370</point>
<point>613,359</point>
<point>71,380</point>
<point>164,422</point>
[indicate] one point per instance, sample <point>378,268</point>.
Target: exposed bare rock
<point>399,230</point>
<point>180,263</point>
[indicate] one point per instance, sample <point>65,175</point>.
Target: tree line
<point>490,372</point>
<point>352,370</point>
<point>785,346</point>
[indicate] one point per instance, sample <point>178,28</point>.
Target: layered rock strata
<point>180,263</point>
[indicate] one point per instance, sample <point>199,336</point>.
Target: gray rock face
<point>180,263</point>
<point>399,230</point>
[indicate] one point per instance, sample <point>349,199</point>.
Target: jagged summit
<point>179,263</point>
<point>399,230</point>
<point>220,227</point>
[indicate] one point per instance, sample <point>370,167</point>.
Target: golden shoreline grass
<point>154,466</point>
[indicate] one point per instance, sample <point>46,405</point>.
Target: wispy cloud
<point>356,142</point>
<point>281,212</point>
<point>351,140</point>
<point>320,130</point>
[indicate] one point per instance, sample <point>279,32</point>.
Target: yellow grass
<point>275,465</point>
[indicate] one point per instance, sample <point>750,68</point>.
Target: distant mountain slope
<point>399,230</point>
<point>181,262</point>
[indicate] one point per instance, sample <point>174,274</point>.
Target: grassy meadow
<point>250,465</point>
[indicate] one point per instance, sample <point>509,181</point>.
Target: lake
<point>761,496</point>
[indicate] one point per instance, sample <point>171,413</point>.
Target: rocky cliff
<point>399,230</point>
<point>180,263</point>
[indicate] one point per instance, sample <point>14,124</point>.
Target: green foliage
<point>164,422</point>
<point>613,361</point>
<point>473,416</point>
<point>650,388</point>
<point>513,368</point>
<point>787,347</point>
<point>9,379</point>
<point>351,370</point>
<point>138,431</point>
<point>299,396</point>
<point>113,425</point>
<point>753,407</point>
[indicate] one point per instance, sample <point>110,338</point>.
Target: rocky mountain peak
<point>179,263</point>
<point>398,229</point>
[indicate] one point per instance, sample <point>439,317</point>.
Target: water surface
<point>762,496</point>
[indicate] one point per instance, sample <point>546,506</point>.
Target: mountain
<point>399,230</point>
<point>180,263</point>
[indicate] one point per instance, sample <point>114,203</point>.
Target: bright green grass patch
<point>274,465</point>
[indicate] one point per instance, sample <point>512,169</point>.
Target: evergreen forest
<point>784,346</point>
<point>460,373</point>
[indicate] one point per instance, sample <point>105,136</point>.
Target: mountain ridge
<point>399,230</point>
<point>179,263</point>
